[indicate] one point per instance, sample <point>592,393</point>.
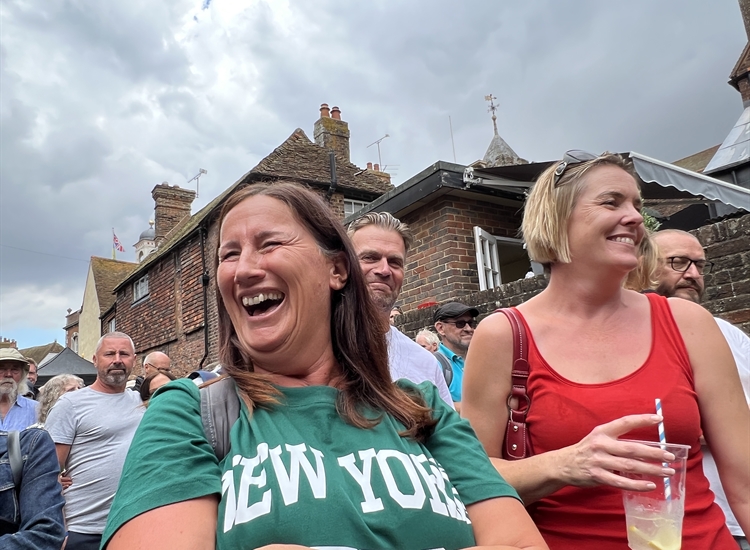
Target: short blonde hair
<point>550,203</point>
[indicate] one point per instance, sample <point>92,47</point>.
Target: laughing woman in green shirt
<point>334,455</point>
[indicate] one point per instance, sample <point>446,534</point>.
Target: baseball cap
<point>453,309</point>
<point>12,354</point>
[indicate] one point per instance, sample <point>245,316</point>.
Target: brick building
<point>167,303</point>
<point>727,244</point>
<point>85,327</point>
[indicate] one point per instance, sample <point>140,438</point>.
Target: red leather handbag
<point>517,444</point>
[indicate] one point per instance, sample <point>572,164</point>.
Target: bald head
<point>681,263</point>
<point>156,362</point>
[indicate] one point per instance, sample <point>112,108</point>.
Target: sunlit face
<point>455,338</point>
<point>606,226</point>
<point>11,373</point>
<point>275,282</point>
<point>114,361</point>
<point>688,285</point>
<point>382,256</point>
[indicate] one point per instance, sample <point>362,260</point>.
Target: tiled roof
<point>107,275</point>
<point>299,158</point>
<point>37,353</point>
<point>697,161</point>
<point>742,67</point>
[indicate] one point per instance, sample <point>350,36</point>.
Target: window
<point>351,206</point>
<point>140,288</point>
<point>111,325</point>
<point>74,342</point>
<point>498,259</point>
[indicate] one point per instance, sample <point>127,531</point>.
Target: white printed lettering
<point>437,505</point>
<point>289,481</point>
<point>244,512</point>
<point>370,504</point>
<point>415,500</point>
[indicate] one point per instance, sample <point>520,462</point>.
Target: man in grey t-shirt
<point>92,429</point>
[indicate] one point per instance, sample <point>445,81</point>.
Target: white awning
<point>668,175</point>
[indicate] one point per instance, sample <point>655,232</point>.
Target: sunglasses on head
<point>461,324</point>
<point>572,157</point>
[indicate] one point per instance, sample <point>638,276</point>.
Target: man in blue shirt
<point>455,323</point>
<point>16,412</point>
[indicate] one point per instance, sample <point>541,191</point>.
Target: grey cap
<point>453,309</point>
<point>12,354</point>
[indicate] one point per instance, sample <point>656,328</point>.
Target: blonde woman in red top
<point>599,355</point>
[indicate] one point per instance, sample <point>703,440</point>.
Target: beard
<point>117,378</point>
<point>9,388</point>
<point>686,289</point>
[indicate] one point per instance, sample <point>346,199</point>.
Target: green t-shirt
<point>299,474</point>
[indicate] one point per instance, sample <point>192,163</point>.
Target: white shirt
<point>409,360</point>
<point>739,343</point>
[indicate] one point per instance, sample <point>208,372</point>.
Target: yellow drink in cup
<point>654,518</point>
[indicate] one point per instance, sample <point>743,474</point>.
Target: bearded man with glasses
<point>682,265</point>
<point>455,323</point>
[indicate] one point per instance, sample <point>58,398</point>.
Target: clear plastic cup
<point>654,518</point>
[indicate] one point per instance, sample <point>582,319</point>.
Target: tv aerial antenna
<point>377,142</point>
<point>197,179</point>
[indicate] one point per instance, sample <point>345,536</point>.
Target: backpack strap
<point>15,458</point>
<point>220,409</point>
<point>445,365</point>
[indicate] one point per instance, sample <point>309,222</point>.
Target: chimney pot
<point>324,110</point>
<point>172,205</point>
<point>377,167</point>
<point>369,166</point>
<point>332,133</point>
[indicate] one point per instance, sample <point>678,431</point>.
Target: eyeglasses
<point>683,263</point>
<point>572,157</point>
<point>461,324</point>
<point>13,370</point>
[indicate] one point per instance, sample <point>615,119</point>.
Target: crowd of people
<point>325,451</point>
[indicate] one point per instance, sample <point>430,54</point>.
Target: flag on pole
<point>116,245</point>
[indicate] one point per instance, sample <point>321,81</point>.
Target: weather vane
<point>491,109</point>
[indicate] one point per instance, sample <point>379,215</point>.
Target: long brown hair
<point>357,330</point>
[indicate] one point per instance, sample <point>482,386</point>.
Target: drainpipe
<point>205,279</point>
<point>334,180</point>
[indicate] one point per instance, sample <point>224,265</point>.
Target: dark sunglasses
<point>572,157</point>
<point>462,324</point>
<point>683,263</point>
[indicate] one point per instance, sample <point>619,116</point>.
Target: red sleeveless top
<point>564,412</point>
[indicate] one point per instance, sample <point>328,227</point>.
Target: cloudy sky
<point>100,101</point>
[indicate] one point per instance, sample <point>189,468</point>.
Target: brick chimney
<point>331,132</point>
<point>172,206</point>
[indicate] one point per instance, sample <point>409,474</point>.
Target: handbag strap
<point>516,443</point>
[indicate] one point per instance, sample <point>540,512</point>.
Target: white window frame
<point>111,325</point>
<point>140,288</point>
<point>355,205</point>
<point>74,342</point>
<point>488,258</point>
<point>488,263</point>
